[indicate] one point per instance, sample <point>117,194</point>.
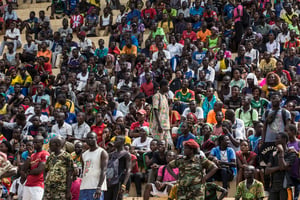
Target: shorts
<point>33,193</point>
<point>156,192</point>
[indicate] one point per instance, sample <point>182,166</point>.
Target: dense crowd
<point>180,95</point>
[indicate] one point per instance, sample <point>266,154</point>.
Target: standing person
<point>94,167</point>
<point>250,188</point>
<point>275,120</point>
<point>118,171</point>
<point>35,166</point>
<point>59,170</point>
<point>160,123</point>
<point>279,164</point>
<point>294,143</point>
<point>238,24</point>
<point>192,178</point>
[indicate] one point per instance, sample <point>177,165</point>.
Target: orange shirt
<point>211,116</point>
<point>202,36</point>
<point>129,51</point>
<point>46,54</point>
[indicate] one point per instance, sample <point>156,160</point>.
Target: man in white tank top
<point>94,169</point>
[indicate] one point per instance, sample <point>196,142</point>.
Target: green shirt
<point>173,12</point>
<point>260,105</point>
<point>211,190</point>
<point>57,168</point>
<point>255,191</point>
<point>159,31</point>
<point>248,116</point>
<point>185,97</point>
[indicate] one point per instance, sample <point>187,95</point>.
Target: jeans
<point>225,175</point>
<point>89,195</point>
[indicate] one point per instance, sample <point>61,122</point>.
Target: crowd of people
<point>181,95</point>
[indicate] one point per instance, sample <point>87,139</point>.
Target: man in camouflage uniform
<point>191,181</point>
<point>59,169</point>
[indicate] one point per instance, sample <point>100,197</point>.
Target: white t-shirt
<point>272,46</point>
<point>81,81</point>
<point>224,156</point>
<point>198,113</point>
<point>142,145</point>
<point>18,191</point>
<point>167,55</point>
<point>175,49</point>
<point>13,34</point>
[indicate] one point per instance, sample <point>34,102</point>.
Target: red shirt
<point>148,13</point>
<point>192,35</point>
<point>137,124</point>
<point>116,50</point>
<point>98,130</point>
<point>147,88</point>
<point>212,14</point>
<point>135,168</point>
<point>47,68</point>
<point>37,180</point>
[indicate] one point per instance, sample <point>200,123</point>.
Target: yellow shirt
<point>288,18</point>
<point>69,104</point>
<point>127,139</point>
<point>94,3</point>
<point>18,79</point>
<point>3,110</point>
<point>267,67</point>
<point>167,26</point>
<point>222,64</point>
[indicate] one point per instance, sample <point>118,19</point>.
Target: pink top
<point>75,189</point>
<point>167,177</point>
<point>235,13</point>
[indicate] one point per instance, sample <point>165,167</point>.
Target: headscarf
<point>194,117</point>
<point>278,86</point>
<point>210,126</point>
<point>146,128</point>
<point>251,76</point>
<point>112,57</point>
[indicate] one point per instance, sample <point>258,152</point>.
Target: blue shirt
<point>134,41</point>
<point>208,105</point>
<point>228,10</point>
<point>198,56</point>
<point>132,14</point>
<point>182,139</point>
<point>197,25</point>
<point>195,11</point>
<point>216,152</point>
<point>71,119</point>
<point>253,141</point>
<point>101,53</point>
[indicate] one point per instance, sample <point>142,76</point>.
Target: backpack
<point>251,112</point>
<point>283,113</point>
<point>245,18</point>
<point>112,173</point>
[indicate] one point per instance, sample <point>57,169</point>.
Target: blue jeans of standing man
<point>89,195</point>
